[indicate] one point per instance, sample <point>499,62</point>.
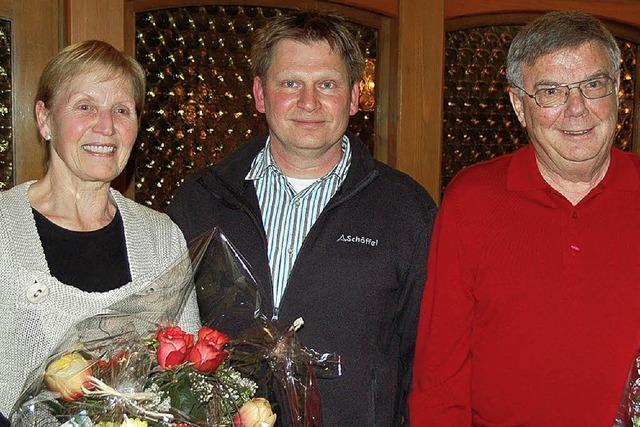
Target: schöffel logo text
<point>358,239</point>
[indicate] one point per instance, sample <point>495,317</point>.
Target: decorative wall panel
<point>199,96</point>
<point>6,129</point>
<point>479,123</point>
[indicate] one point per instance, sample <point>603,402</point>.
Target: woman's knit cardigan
<point>36,309</point>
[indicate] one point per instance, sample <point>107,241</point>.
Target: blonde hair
<point>90,57</point>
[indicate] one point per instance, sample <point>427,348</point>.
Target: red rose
<point>174,346</point>
<point>208,353</point>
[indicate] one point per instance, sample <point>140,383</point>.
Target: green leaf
<point>182,397</point>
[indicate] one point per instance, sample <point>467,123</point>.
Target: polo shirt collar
<point>622,173</point>
<point>523,173</point>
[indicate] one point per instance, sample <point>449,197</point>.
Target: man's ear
<point>42,117</point>
<point>517,102</point>
<point>258,94</point>
<point>355,99</point>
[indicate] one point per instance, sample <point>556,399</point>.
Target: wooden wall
<point>420,78</point>
<point>31,51</point>
<point>95,19</point>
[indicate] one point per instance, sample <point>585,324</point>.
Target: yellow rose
<point>129,422</point>
<point>134,422</point>
<point>67,375</point>
<point>255,413</point>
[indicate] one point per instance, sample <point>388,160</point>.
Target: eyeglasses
<point>556,95</point>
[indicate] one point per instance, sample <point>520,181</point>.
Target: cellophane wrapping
<point>132,365</point>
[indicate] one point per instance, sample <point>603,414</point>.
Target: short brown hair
<point>307,27</point>
<point>91,56</point>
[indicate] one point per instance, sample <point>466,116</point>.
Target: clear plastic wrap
<point>261,349</point>
<point>131,365</point>
<point>628,414</point>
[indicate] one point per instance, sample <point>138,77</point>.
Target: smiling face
<point>574,138</point>
<point>92,125</point>
<point>307,100</point>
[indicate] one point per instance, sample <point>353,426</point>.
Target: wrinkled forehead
<point>285,45</point>
<point>589,47</point>
<point>569,64</point>
<point>290,55</point>
<point>88,79</point>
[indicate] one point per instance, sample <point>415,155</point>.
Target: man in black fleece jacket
<point>332,235</point>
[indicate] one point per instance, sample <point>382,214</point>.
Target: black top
<point>93,261</point>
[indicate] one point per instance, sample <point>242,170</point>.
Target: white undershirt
<point>299,184</point>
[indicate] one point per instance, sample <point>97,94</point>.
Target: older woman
<point>69,244</point>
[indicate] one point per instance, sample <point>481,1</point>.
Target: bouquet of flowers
<point>133,366</point>
<point>169,377</point>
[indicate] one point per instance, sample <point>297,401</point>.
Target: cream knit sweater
<point>36,309</point>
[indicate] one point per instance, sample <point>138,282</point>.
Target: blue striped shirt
<point>288,216</point>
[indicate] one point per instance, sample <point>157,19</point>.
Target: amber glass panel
<point>6,130</point>
<point>479,123</point>
<point>199,102</point>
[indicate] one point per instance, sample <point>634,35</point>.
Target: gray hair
<point>555,31</point>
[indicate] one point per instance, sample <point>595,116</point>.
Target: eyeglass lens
<point>598,87</point>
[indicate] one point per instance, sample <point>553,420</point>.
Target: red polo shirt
<point>531,312</point>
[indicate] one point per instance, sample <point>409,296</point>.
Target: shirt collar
<point>622,173</point>
<point>523,172</point>
<point>264,162</point>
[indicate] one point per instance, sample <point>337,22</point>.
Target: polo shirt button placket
<point>574,248</point>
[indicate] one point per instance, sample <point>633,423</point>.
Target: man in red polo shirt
<point>531,313</point>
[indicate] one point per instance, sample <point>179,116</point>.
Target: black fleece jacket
<point>357,281</point>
